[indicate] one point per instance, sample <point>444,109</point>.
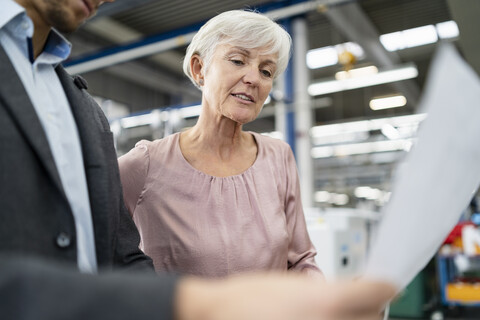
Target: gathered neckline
<point>178,150</point>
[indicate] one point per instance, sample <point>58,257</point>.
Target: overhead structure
<point>353,22</point>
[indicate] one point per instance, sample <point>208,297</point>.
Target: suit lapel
<point>88,125</point>
<point>89,129</point>
<point>15,98</point>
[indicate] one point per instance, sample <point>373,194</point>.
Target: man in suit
<point>62,218</point>
<point>60,196</point>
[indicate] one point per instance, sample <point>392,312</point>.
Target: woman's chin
<point>242,118</point>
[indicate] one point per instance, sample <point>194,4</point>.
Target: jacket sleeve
<point>126,252</point>
<point>37,289</point>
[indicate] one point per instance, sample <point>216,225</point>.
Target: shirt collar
<point>10,10</point>
<point>57,46</point>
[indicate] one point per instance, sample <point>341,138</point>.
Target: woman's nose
<point>252,76</point>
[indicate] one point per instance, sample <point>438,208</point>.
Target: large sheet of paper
<point>439,176</point>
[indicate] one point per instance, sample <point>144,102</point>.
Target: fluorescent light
<point>322,57</point>
<point>322,152</point>
<point>393,41</point>
<point>139,120</point>
<point>447,29</point>
<point>328,56</point>
<point>402,73</point>
<point>355,73</point>
<point>341,138</point>
<point>329,130</point>
<point>322,196</point>
<point>390,132</point>
<point>420,36</point>
<point>361,148</point>
<point>371,193</point>
<point>409,38</point>
<point>338,199</point>
<point>388,102</point>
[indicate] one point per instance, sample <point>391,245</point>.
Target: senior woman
<point>215,200</point>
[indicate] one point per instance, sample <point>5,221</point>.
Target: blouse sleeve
<point>301,251</point>
<point>133,172</point>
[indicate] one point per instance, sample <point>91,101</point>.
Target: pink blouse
<point>194,223</point>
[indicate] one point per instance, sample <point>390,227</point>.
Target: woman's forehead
<point>264,51</point>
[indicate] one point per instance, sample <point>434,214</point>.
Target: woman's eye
<point>237,62</point>
<point>267,73</point>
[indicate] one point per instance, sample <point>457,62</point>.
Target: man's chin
<point>70,28</point>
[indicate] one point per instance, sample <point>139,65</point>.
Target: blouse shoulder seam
<point>147,153</point>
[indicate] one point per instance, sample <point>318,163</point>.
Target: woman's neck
<point>222,139</point>
<point>218,134</point>
<point>216,145</point>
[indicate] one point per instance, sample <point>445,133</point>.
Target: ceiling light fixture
<point>328,56</point>
<point>447,29</point>
<point>327,130</point>
<point>356,73</point>
<point>409,38</point>
<point>322,57</point>
<point>136,121</point>
<point>404,72</point>
<point>361,148</point>
<point>388,102</point>
<point>419,36</point>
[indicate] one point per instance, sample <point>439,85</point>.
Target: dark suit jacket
<point>35,216</point>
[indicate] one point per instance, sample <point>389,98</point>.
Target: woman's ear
<point>196,67</point>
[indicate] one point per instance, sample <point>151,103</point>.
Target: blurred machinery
<point>342,238</point>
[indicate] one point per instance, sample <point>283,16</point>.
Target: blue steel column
<point>283,92</point>
<point>303,110</point>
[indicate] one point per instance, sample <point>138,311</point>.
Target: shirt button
<point>25,25</point>
<point>63,240</point>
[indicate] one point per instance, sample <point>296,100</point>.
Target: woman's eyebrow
<point>269,61</point>
<point>242,50</point>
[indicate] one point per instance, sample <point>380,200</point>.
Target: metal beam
<point>119,6</point>
<point>150,78</point>
<point>117,33</point>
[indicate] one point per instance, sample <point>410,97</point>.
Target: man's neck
<point>41,28</point>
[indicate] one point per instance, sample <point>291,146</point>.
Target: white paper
<point>439,177</point>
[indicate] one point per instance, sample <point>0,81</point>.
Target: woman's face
<point>238,81</point>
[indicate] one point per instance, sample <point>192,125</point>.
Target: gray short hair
<point>247,29</point>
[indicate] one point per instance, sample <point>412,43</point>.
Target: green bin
<point>411,301</point>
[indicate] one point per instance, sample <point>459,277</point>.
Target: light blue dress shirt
<point>52,107</point>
